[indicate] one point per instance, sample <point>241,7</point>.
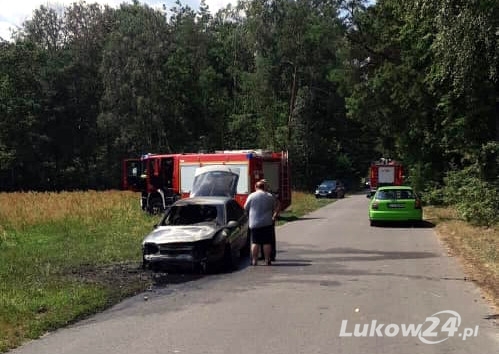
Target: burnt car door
<point>238,234</point>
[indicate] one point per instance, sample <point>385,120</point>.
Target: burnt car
<point>330,189</point>
<point>197,232</point>
<point>200,231</point>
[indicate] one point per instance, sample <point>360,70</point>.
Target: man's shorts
<point>262,235</point>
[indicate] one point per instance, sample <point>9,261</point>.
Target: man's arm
<point>247,203</point>
<point>277,209</point>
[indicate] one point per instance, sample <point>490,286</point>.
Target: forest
<point>337,83</point>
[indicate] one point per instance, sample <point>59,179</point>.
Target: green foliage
<point>337,84</point>
<point>488,161</point>
<point>476,200</point>
<point>408,58</point>
<point>433,195</point>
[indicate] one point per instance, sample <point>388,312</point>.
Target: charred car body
<point>208,228</point>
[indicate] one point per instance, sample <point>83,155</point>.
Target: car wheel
<point>373,223</point>
<point>200,268</point>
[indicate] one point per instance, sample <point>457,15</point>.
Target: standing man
<point>277,210</point>
<point>262,208</point>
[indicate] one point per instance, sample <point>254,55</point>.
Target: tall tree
<point>22,141</point>
<point>134,116</point>
<point>465,75</point>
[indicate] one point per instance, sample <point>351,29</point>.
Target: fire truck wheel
<point>156,206</point>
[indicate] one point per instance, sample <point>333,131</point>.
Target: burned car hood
<point>215,180</point>
<point>188,233</point>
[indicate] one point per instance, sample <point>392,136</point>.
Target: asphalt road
<point>333,270</point>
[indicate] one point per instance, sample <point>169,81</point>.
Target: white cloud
<point>13,13</point>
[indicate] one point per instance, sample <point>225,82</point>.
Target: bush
<point>476,200</point>
<point>433,195</point>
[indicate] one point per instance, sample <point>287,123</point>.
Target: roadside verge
<point>477,249</point>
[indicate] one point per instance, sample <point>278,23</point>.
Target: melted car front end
<point>181,254</point>
<point>191,249</point>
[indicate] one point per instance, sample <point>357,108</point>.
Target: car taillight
<point>417,204</point>
<point>374,205</point>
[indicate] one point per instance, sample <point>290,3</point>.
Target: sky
<point>14,12</point>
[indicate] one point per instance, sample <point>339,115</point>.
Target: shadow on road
<point>162,278</point>
<point>354,254</point>
<point>491,317</point>
<point>292,263</point>
<point>295,218</point>
<point>314,261</point>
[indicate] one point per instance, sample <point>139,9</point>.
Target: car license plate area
<point>175,250</point>
<point>396,206</point>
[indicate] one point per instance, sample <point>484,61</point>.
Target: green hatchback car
<point>395,203</point>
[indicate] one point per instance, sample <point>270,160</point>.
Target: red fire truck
<point>385,172</point>
<point>163,178</point>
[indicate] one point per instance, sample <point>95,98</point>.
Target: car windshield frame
<point>194,214</point>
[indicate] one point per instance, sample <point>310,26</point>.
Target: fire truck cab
<point>163,178</point>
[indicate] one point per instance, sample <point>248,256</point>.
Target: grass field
<point>67,255</point>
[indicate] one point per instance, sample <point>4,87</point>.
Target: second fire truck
<point>385,172</point>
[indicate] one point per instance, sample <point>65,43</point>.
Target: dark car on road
<point>330,189</point>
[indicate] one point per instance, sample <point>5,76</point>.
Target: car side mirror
<point>231,224</point>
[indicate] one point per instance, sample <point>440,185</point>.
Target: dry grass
<point>476,247</point>
<point>21,210</point>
